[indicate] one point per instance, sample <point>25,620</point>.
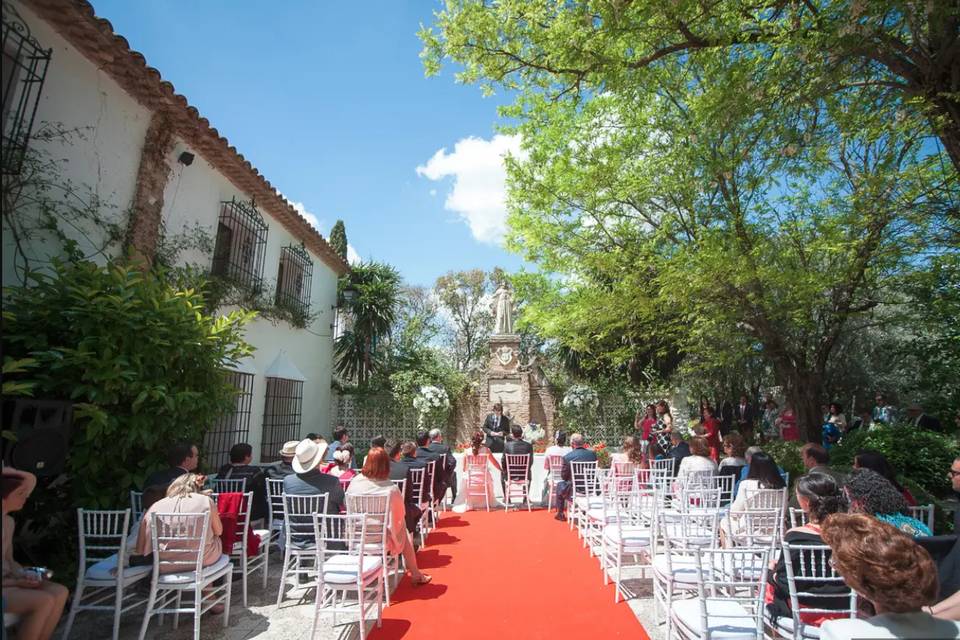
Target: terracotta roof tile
<point>95,38</point>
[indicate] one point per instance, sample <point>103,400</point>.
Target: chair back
<point>136,505</point>
<point>584,477</point>
<point>230,485</point>
<point>429,480</point>
<point>376,509</point>
<point>298,518</point>
<point>177,541</point>
<point>698,499</point>
<point>665,464</point>
<point>626,473</point>
<point>813,584</point>
<point>103,534</point>
<point>797,517</point>
<point>923,513</point>
<point>517,467</point>
<point>275,500</point>
<point>401,484</point>
<point>726,576</point>
<point>418,489</point>
<point>763,518</point>
<point>243,525</point>
<point>555,466</point>
<point>342,534</point>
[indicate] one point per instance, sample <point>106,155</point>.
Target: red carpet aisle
<point>498,575</point>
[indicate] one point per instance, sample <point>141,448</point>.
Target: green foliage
<point>338,239</point>
<point>787,455</point>
<point>720,184</point>
<point>463,295</point>
<point>372,314</point>
<point>140,359</point>
<point>919,456</point>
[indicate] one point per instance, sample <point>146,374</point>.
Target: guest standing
<point>664,426</point>
<point>743,417</point>
<point>644,424</point>
<point>711,431</point>
<point>787,423</point>
<point>496,426</point>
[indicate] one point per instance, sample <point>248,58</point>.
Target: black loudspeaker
<point>42,429</point>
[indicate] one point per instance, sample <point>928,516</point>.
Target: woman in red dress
<point>646,423</point>
<point>711,431</point>
<point>788,423</point>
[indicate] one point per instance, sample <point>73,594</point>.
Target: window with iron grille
<point>241,244</point>
<point>281,416</point>
<point>232,427</point>
<point>24,68</point>
<point>294,277</point>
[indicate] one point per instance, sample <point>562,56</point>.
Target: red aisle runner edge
<point>506,575</point>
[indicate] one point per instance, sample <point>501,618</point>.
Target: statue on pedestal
<point>503,309</point>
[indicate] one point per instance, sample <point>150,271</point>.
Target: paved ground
<point>293,620</point>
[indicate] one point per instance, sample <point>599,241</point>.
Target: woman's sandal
<point>422,580</point>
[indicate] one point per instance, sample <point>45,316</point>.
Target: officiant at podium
<point>496,426</point>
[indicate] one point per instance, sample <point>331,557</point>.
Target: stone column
<point>143,230</point>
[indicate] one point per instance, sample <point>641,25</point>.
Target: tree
<point>373,312</point>
<point>907,47</point>
<point>716,199</point>
<point>465,297</point>
<point>338,239</point>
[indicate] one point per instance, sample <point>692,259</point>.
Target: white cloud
<point>301,208</point>
<point>479,188</point>
<point>352,256</point>
<point>433,192</point>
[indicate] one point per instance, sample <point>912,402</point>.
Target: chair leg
<point>197,609</point>
<point>283,575</point>
<point>73,610</point>
<point>176,613</point>
<point>117,609</point>
<point>226,604</point>
<point>243,569</point>
<point>151,599</point>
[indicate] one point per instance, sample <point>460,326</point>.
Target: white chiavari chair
<point>554,475</point>
<point>377,512</point>
<point>182,571</point>
<point>230,485</point>
<point>516,479</point>
<point>815,590</point>
<point>797,517</point>
<point>923,513</point>
<point>350,570</point>
<point>275,513</point>
<point>103,575</point>
<point>584,494</point>
<point>729,598</point>
<point>628,535</point>
<point>244,564</point>
<point>300,543</point>
<point>477,478</point>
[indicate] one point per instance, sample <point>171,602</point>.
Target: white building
<point>143,149</point>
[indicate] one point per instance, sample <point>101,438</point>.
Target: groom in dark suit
<point>495,426</point>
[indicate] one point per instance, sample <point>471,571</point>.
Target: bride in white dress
<point>473,480</point>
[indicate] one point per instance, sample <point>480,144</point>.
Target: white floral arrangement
<point>580,397</point>
<point>432,401</point>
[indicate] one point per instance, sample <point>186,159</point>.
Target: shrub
<point>143,363</point>
<point>920,457</point>
<point>787,455</point>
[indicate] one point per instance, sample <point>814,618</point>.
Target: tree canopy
<point>720,181</point>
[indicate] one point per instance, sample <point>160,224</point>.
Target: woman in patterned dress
<point>661,431</point>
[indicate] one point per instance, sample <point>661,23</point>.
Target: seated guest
<point>876,461</point>
<point>283,468</point>
<point>183,457</point>
<point>241,455</point>
<point>654,452</point>
<point>374,481</point>
<point>815,459</point>
<point>184,496</point>
<point>872,494</point>
<point>377,441</point>
<point>579,453</point>
<point>698,461</point>
<point>764,474</point>
<point>734,448</point>
<point>632,452</point>
<point>679,450</point>
<point>819,495</point>
<point>38,601</point>
<point>309,480</point>
<point>889,570</point>
<point>408,459</point>
<point>516,445</point>
<point>558,448</point>
<point>426,454</point>
<point>402,472</point>
<point>151,495</point>
<point>441,450</point>
<point>342,461</point>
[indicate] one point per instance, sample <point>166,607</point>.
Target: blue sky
<point>329,100</point>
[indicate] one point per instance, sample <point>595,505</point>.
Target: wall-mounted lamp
<point>186,158</point>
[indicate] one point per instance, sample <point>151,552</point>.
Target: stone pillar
<point>504,382</point>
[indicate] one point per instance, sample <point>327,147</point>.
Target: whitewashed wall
<point>106,158</point>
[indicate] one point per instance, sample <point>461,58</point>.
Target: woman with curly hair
<point>876,461</point>
<point>872,494</point>
<point>889,570</point>
<point>820,496</point>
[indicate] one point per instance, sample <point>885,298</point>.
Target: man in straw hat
<point>308,480</point>
<point>284,468</point>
